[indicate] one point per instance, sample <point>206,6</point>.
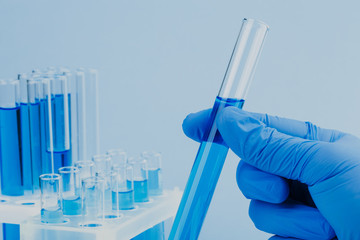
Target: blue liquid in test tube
<point>212,151</point>
<point>10,140</point>
<point>34,99</point>
<point>123,200</point>
<point>25,136</point>
<point>141,193</point>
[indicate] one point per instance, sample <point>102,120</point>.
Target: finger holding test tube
<point>211,155</point>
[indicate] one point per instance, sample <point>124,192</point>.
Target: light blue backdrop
<point>159,60</point>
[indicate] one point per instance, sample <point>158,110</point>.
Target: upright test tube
<point>154,172</point>
<point>71,190</point>
<point>122,187</point>
<point>60,112</point>
<point>10,149</point>
<point>51,208</point>
<point>78,118</point>
<point>34,98</point>
<point>141,193</point>
<point>93,190</point>
<point>103,169</point>
<point>118,157</point>
<point>86,168</point>
<point>25,135</point>
<point>91,112</point>
<point>212,152</point>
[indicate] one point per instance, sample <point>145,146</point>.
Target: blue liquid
<point>62,153</point>
<point>11,231</point>
<point>10,155</point>
<point>203,178</point>
<point>52,215</point>
<point>141,191</point>
<point>45,162</point>
<point>154,233</point>
<point>35,136</point>
<point>155,182</point>
<point>72,206</point>
<point>126,200</point>
<point>25,147</point>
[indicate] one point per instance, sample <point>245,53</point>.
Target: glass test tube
<point>25,135</point>
<point>34,98</point>
<point>93,190</point>
<point>71,201</point>
<point>46,108</point>
<point>118,157</point>
<point>86,168</point>
<point>139,165</point>
<point>91,106</point>
<point>51,208</point>
<point>212,152</point>
<point>78,118</point>
<point>154,172</point>
<point>10,157</point>
<point>122,187</point>
<point>103,168</point>
<point>61,122</point>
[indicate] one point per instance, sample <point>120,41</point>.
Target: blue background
<point>160,60</point>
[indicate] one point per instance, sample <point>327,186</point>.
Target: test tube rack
<point>130,223</point>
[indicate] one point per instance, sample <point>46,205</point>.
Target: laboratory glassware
<point>71,190</point>
<point>10,149</point>
<point>154,172</point>
<point>122,187</point>
<point>212,151</point>
<point>51,207</point>
<point>93,191</point>
<point>118,157</point>
<point>34,98</point>
<point>139,165</point>
<point>86,168</point>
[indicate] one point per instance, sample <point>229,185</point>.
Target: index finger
<point>195,123</point>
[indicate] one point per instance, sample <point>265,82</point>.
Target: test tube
<point>61,122</point>
<point>51,208</point>
<point>86,168</point>
<point>71,190</point>
<point>122,187</point>
<point>92,111</point>
<point>93,190</point>
<point>154,172</point>
<point>10,157</point>
<point>34,99</point>
<point>25,135</point>
<point>212,152</point>
<point>103,168</point>
<point>139,165</point>
<point>118,157</point>
<point>78,117</point>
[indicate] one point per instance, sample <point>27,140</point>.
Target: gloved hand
<point>304,180</point>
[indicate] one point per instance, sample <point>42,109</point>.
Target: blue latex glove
<point>287,166</point>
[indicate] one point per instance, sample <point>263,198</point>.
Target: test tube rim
<point>50,176</point>
<point>71,169</point>
<point>89,162</point>
<point>260,22</point>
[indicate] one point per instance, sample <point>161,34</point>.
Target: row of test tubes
<point>100,189</point>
